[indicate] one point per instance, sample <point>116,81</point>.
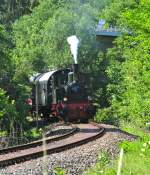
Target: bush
<point>11,119</point>
<point>106,115</point>
<point>8,111</point>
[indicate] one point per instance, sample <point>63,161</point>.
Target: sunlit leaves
<point>129,70</point>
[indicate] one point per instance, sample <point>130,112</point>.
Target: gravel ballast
<point>74,161</point>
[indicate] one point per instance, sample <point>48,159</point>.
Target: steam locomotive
<point>61,93</point>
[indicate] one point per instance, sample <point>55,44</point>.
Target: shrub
<point>106,115</point>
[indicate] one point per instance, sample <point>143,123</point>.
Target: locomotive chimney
<point>75,68</point>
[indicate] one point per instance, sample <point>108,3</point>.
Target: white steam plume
<point>74,42</point>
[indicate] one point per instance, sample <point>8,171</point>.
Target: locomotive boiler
<point>61,93</point>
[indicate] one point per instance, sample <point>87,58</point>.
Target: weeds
<point>59,171</point>
<point>136,160</point>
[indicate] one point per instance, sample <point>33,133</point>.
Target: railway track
<point>38,142</point>
<point>80,134</point>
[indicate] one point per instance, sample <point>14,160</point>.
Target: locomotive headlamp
<point>65,99</point>
<point>89,98</point>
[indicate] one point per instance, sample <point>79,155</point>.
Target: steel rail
<point>38,142</point>
<point>58,148</point>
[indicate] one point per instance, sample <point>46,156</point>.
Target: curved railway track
<point>80,134</point>
<point>38,142</point>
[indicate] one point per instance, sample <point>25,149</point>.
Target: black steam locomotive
<point>61,93</point>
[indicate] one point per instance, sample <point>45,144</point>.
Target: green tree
<point>8,113</point>
<point>41,36</point>
<point>6,63</point>
<point>13,109</point>
<point>10,10</point>
<point>129,72</point>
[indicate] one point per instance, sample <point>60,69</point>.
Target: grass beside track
<point>136,159</point>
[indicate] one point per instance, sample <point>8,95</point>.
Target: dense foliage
<point>6,64</point>
<point>40,38</point>
<point>8,113</point>
<point>12,10</point>
<point>128,70</point>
